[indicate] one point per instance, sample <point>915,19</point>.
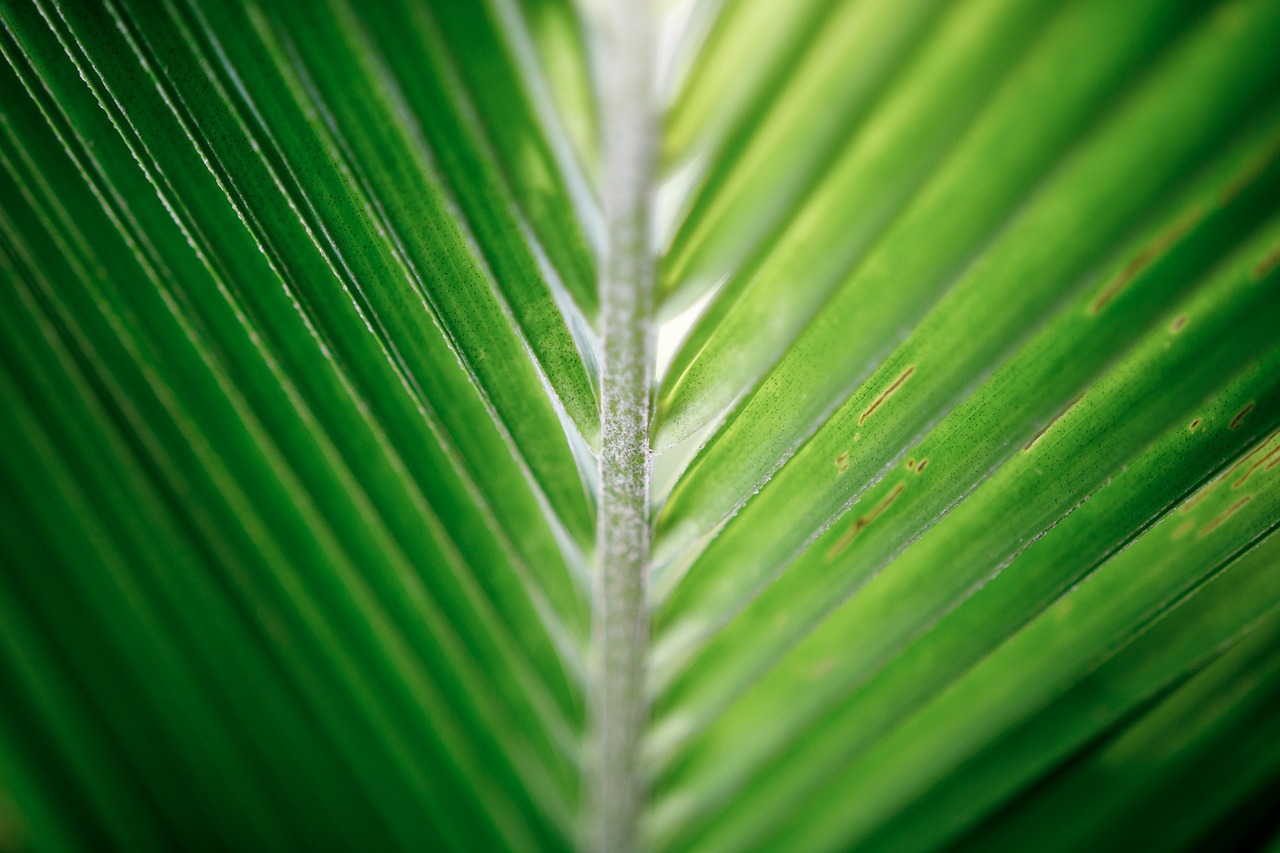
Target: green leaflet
<point>1202,750</point>
<point>456,153</point>
<point>315,604</point>
<point>51,712</point>
<point>746,46</point>
<point>973,329</point>
<point>321,432</point>
<point>407,220</point>
<point>29,809</point>
<point>954,217</point>
<point>1079,631</point>
<point>440,397</point>
<point>554,198</point>
<point>286,317</point>
<point>1155,390</point>
<point>1181,640</point>
<point>147,669</point>
<point>422,351</point>
<point>761,172</point>
<point>560,40</point>
<point>1047,568</point>
<point>1143,489</point>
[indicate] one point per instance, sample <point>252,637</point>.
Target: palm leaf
<point>345,505</point>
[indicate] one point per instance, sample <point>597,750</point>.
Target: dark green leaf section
<point>264,495</point>
<point>1182,770</point>
<point>296,332</point>
<point>391,234</point>
<point>554,197</point>
<point>35,807</point>
<point>350,103</point>
<point>416,82</point>
<point>323,245</point>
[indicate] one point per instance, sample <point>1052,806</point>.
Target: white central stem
<point>620,631</point>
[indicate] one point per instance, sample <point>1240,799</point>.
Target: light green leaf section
<point>979,325</point>
<point>753,180</point>
<point>747,45</point>
<point>951,220</point>
<point>1077,634</point>
<point>978,626</point>
<point>1152,395</point>
<point>561,42</point>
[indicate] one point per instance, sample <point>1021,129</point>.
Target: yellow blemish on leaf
<point>1226,514</point>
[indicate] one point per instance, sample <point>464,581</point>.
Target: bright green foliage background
<point>968,432</point>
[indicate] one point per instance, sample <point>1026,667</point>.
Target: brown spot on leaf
<point>1247,176</point>
<point>1269,461</point>
<point>822,668</point>
<point>1179,323</point>
<point>1240,463</point>
<point>1194,501</point>
<point>1183,529</point>
<point>884,395</point>
<point>864,521</point>
<point>1240,416</point>
<point>923,462</point>
<point>1267,264</point>
<point>911,464</point>
<point>1222,518</point>
<point>1143,259</point>
<point>1194,424</point>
